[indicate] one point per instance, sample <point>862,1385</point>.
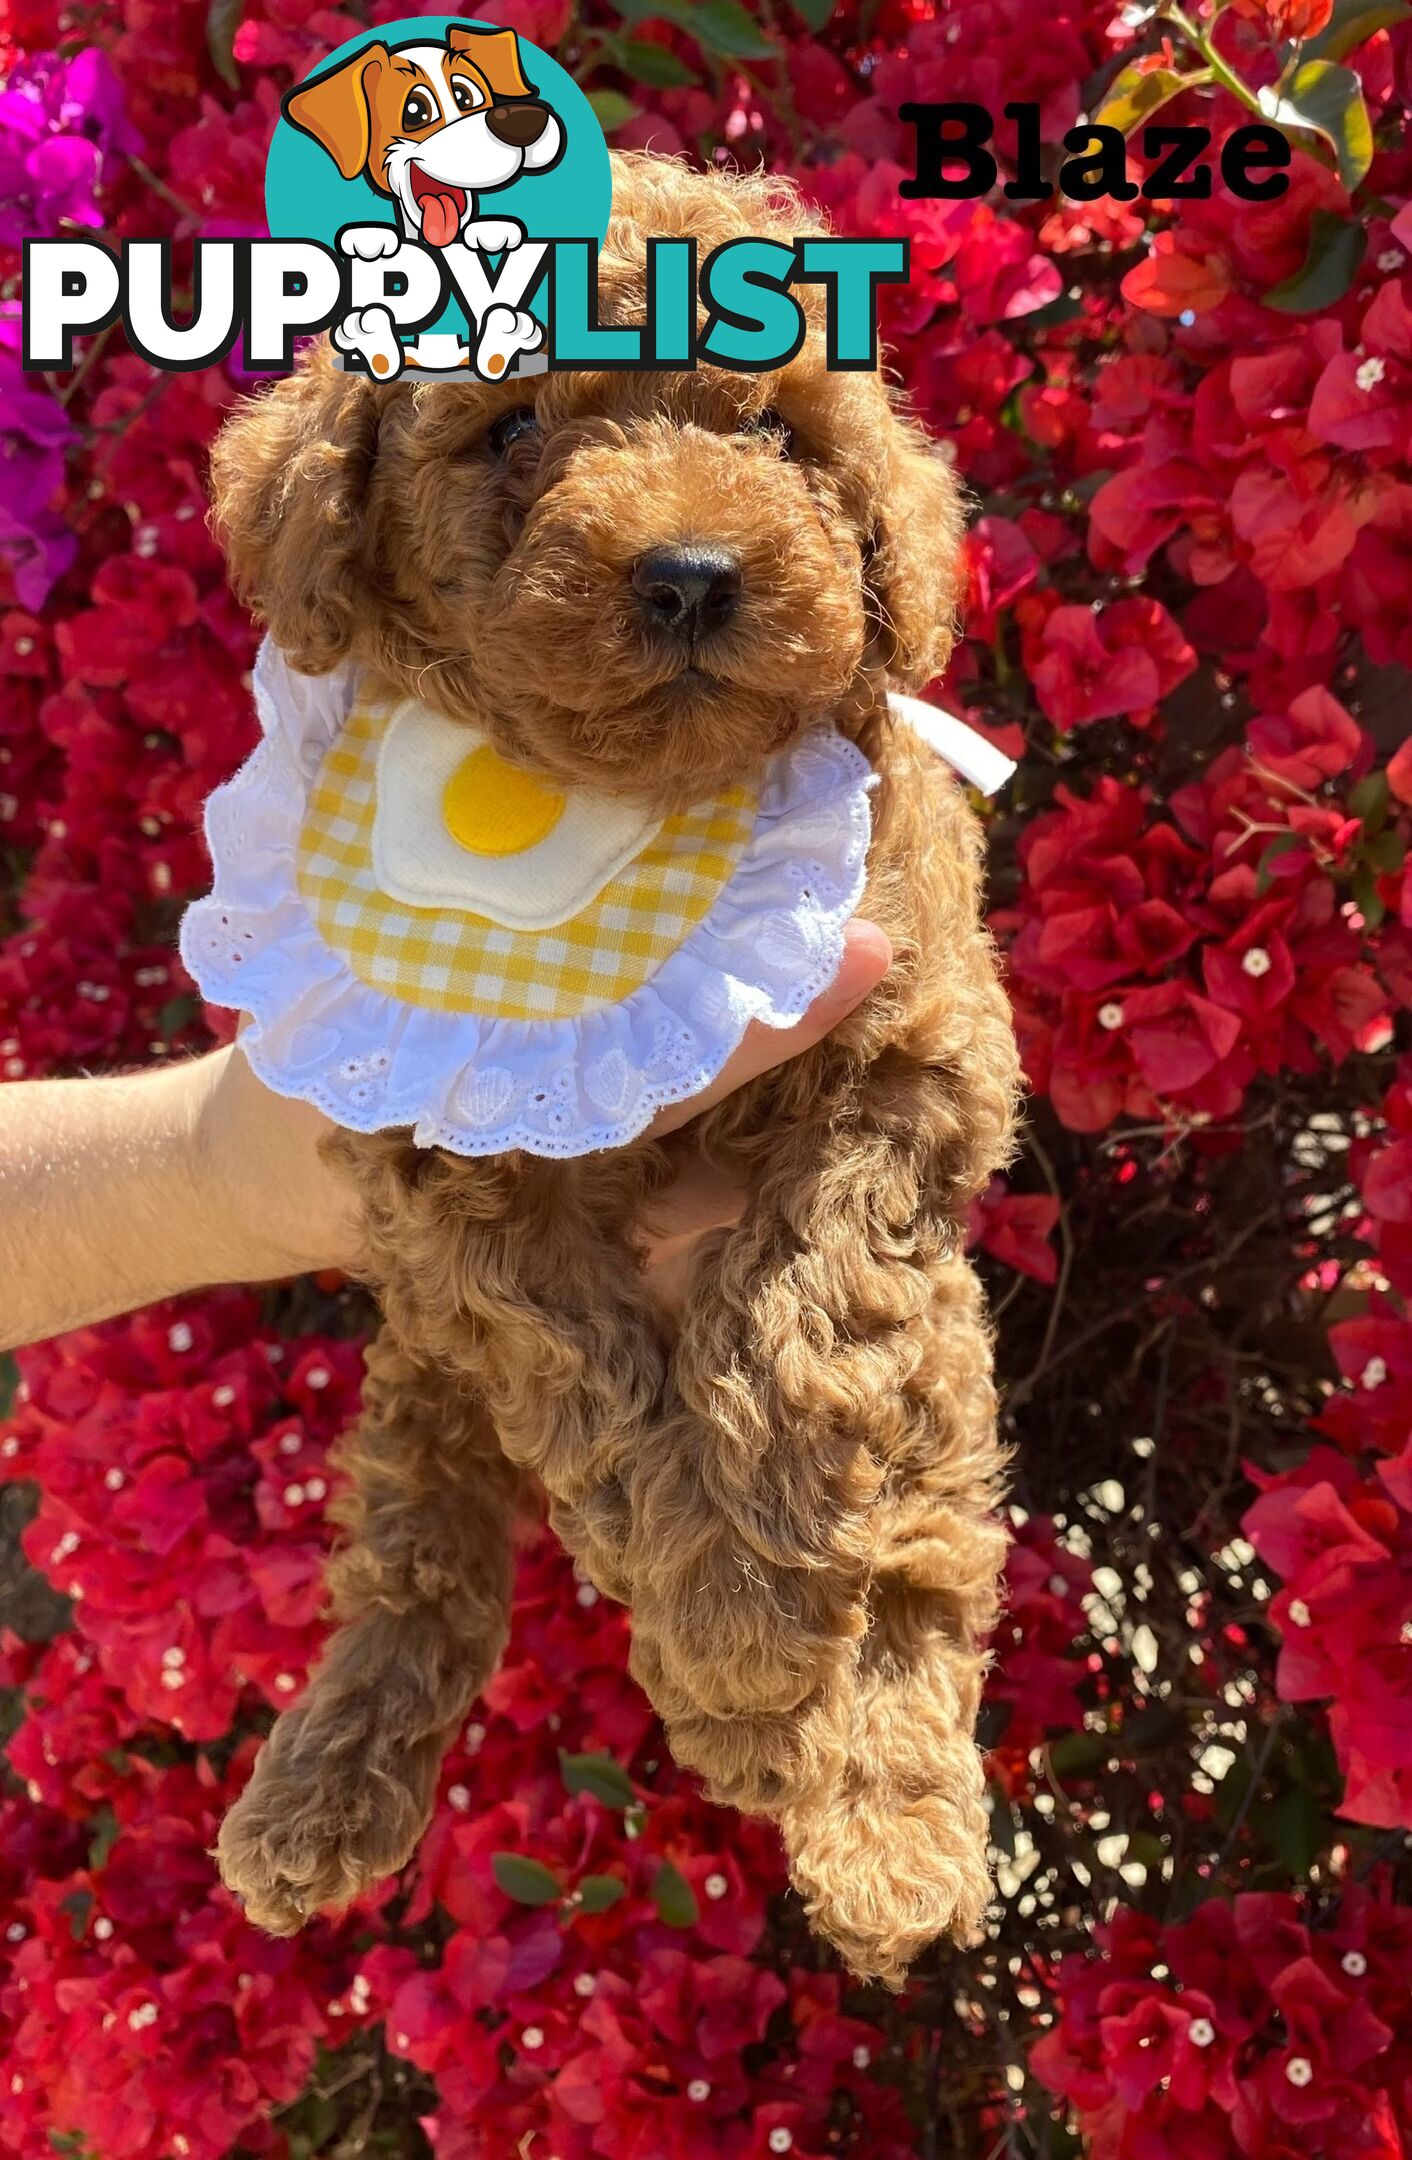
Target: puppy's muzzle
<point>519,124</point>
<point>689,590</point>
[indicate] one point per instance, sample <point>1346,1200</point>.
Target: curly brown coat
<point>795,1490</point>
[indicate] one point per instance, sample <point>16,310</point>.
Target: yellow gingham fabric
<point>458,962</point>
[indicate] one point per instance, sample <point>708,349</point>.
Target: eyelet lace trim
<point>770,943</point>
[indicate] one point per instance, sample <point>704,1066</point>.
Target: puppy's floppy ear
<point>290,473</point>
<point>336,108</point>
<point>496,54</point>
<point>914,559</point>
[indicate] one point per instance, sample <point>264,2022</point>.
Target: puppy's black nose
<point>691,590</point>
<point>519,124</point>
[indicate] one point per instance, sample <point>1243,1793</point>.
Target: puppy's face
<point>641,583</point>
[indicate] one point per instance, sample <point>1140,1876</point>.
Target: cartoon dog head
<point>432,126</point>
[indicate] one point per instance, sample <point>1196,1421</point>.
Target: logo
<point>437,192</point>
<point>443,159</point>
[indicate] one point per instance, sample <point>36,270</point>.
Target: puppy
<point>433,127</point>
<point>795,1490</point>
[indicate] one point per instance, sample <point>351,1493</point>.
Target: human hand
<point>288,1212</point>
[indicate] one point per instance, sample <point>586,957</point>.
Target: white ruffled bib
<point>425,935</point>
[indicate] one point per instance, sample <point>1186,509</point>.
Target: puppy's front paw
<point>372,334</point>
<point>369,243</point>
<point>505,333</point>
<point>493,235</point>
<point>323,1817</point>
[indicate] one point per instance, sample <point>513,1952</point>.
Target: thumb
<point>867,956</point>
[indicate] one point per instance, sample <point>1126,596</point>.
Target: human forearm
<point>118,1191</point>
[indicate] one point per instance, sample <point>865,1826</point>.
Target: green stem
<point>1225,76</point>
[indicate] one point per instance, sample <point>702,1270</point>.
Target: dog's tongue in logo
<point>442,208</point>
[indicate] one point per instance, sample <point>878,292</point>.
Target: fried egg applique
<point>456,825</point>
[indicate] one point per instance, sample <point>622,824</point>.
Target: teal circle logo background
<point>307,198</point>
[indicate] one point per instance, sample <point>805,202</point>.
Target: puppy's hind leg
<point>891,1852</point>
<point>343,1786</point>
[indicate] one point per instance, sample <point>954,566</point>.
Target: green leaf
<point>1364,887</point>
<point>721,26</point>
<point>1300,1830</point>
<point>1080,1754</point>
<point>655,65</point>
<point>1282,844</point>
<point>814,12</point>
<point>1369,801</point>
<point>607,1780</point>
<point>525,1880</point>
<point>1352,23</point>
<point>1134,95</point>
<point>103,1836</point>
<point>611,109</point>
<point>222,22</point>
<point>1386,852</point>
<point>674,1897</point>
<point>599,1893</point>
<point>1328,100</point>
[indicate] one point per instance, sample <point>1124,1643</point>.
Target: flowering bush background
<point>1187,428</point>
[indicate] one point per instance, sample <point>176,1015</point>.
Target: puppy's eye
<point>419,111</point>
<point>465,95</point>
<point>512,427</point>
<point>773,424</point>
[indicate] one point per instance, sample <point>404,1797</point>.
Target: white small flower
<point>359,1995</point>
<point>67,1544</point>
<point>175,1656</point>
<point>698,2090</point>
<point>475,1734</point>
<point>173,1680</point>
<point>17,2083</point>
<point>780,2140</point>
<point>318,1376</point>
<point>290,1444</point>
<point>716,1886</point>
<point>223,1396</point>
<point>103,1928</point>
<point>144,2014</point>
<point>1374,1373</point>
<point>24,646</point>
<point>1299,1613</point>
<point>1354,1964</point>
<point>584,1983</point>
<point>402,2041</point>
<point>1299,2070</point>
<point>1058,1586</point>
<point>180,2144</point>
<point>586,1594</point>
<point>294,1496</point>
<point>286,1683</point>
<point>861,2058</point>
<point>1391,259</point>
<point>1370,374</point>
<point>15,1932</point>
<point>532,2037</point>
<point>1201,2032</point>
<point>459,1797</point>
<point>180,1337</point>
<point>1110,1016</point>
<point>1256,961</point>
<point>9,1447</point>
<point>314,1488</point>
<point>114,1479</point>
